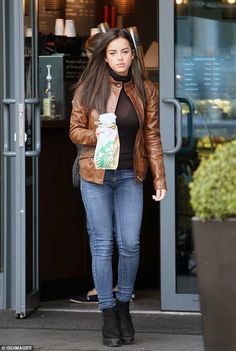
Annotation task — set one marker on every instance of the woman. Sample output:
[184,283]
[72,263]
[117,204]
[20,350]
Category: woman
[91,296]
[112,82]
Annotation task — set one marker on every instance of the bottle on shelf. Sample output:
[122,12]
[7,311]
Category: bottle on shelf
[49,98]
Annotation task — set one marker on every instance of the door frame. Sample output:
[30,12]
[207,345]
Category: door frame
[2,167]
[170,112]
[14,151]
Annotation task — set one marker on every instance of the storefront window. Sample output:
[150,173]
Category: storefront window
[205,64]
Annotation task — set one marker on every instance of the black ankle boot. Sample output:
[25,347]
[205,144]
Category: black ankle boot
[126,325]
[110,329]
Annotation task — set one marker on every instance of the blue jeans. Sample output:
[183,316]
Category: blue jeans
[119,199]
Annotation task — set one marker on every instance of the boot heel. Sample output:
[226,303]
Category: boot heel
[127,331]
[110,329]
[127,341]
[111,342]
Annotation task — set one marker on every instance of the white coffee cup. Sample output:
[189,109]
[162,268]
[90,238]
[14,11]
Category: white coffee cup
[69,30]
[59,26]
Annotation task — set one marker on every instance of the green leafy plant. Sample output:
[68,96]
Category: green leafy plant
[213,187]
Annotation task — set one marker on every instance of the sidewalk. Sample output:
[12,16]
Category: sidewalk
[58,331]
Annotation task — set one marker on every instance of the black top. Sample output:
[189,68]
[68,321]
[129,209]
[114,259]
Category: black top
[128,124]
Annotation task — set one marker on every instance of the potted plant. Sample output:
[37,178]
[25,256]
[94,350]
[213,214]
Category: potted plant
[213,199]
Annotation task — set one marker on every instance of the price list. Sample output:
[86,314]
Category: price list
[83,14]
[74,66]
[81,11]
[80,8]
[203,74]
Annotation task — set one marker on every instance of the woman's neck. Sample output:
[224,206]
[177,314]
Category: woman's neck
[118,77]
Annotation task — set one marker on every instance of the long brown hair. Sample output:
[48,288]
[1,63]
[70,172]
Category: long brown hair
[92,43]
[94,81]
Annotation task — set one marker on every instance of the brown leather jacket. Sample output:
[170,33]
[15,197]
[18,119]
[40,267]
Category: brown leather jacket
[148,147]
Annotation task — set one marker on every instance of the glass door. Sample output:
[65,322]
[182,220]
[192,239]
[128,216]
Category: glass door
[198,111]
[21,119]
[2,291]
[32,150]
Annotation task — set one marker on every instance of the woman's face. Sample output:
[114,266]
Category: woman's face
[119,56]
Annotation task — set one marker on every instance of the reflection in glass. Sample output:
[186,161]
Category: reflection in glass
[205,62]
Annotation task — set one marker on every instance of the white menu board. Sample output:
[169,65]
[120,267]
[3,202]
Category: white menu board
[202,75]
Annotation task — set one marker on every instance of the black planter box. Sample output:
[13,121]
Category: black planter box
[215,246]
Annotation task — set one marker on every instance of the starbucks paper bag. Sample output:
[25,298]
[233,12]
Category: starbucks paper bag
[108,145]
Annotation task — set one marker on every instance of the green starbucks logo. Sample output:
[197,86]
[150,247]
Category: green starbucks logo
[104,155]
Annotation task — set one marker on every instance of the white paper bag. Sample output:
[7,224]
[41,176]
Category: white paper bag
[108,145]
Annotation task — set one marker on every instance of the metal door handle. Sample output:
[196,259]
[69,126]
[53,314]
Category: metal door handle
[37,143]
[190,130]
[178,125]
[6,105]
[36,151]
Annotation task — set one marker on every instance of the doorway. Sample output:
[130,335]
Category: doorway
[197,112]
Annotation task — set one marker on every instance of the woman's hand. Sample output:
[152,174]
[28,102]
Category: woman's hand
[100,129]
[160,194]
